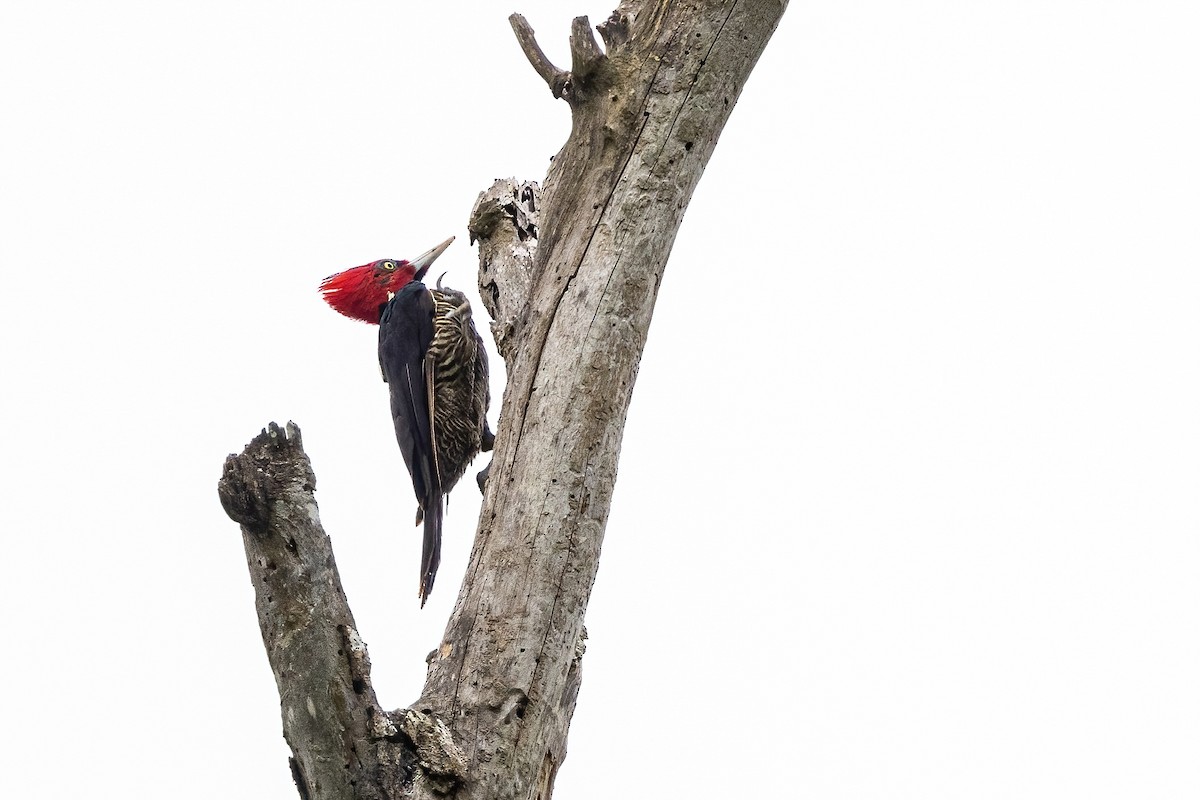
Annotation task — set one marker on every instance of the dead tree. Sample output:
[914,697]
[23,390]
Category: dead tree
[569,273]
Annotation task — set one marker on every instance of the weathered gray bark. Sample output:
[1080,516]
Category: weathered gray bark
[570,275]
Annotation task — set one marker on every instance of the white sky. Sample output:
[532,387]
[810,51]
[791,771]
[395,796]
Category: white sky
[908,498]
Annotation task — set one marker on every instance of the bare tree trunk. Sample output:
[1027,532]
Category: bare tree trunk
[570,276]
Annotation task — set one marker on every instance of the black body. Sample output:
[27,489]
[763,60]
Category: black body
[435,366]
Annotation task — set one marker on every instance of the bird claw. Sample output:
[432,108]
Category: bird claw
[487,440]
[482,477]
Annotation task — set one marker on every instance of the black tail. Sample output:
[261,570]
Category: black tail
[431,547]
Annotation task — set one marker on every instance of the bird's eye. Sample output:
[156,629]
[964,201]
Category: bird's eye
[388,265]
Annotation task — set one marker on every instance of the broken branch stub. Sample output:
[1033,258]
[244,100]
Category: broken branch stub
[504,222]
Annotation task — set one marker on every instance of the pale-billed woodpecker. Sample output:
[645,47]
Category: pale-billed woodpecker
[435,365]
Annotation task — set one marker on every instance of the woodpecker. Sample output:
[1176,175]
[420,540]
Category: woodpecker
[436,369]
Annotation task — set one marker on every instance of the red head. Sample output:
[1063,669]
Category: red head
[361,292]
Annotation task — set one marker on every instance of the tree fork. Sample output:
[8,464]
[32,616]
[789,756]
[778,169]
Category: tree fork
[570,274]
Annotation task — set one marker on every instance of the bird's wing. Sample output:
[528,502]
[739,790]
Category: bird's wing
[405,331]
[429,371]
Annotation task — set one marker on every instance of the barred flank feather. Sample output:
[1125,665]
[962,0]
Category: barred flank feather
[460,386]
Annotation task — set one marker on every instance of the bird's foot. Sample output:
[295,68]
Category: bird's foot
[488,440]
[482,477]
